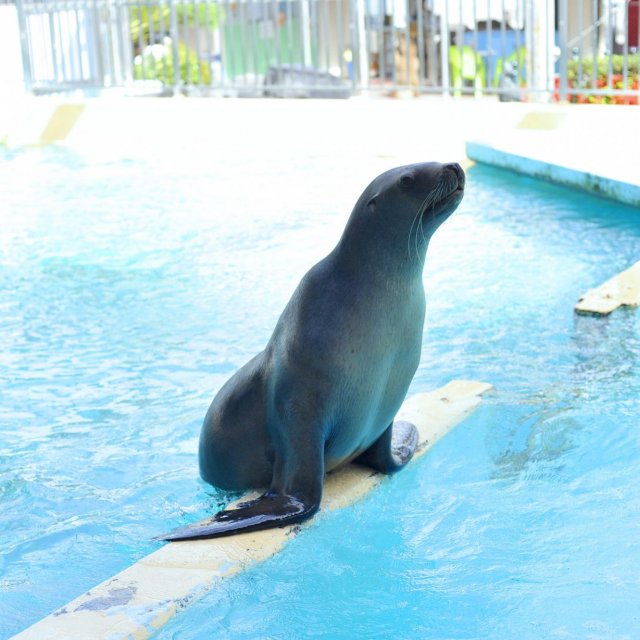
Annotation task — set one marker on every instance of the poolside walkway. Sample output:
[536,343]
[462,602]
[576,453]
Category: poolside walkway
[593,147]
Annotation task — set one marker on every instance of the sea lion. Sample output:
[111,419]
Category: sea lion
[328,384]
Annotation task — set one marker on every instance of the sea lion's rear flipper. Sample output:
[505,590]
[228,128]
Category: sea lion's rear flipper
[269,510]
[393,449]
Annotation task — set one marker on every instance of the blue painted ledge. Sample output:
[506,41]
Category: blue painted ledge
[600,185]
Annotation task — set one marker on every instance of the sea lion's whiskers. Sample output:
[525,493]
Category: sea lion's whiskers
[415,218]
[424,205]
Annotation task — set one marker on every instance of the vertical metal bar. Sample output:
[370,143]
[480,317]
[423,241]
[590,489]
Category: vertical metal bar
[580,39]
[444,51]
[340,29]
[407,39]
[529,44]
[392,43]
[238,18]
[175,43]
[252,45]
[58,12]
[595,17]
[123,24]
[563,28]
[353,42]
[489,68]
[361,35]
[303,22]
[518,18]
[475,30]
[209,38]
[141,41]
[78,36]
[27,74]
[326,33]
[230,41]
[188,80]
[638,47]
[196,29]
[106,32]
[547,51]
[433,53]
[63,25]
[152,37]
[625,51]
[610,46]
[459,45]
[289,18]
[420,37]
[503,39]
[276,32]
[382,49]
[263,43]
[54,48]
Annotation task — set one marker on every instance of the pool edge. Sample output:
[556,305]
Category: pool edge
[597,184]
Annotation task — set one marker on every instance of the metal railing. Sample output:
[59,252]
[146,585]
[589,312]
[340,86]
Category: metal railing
[580,50]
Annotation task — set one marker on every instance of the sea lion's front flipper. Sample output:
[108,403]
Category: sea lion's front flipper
[393,449]
[269,510]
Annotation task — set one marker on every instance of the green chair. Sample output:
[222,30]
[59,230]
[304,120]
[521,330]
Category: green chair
[466,67]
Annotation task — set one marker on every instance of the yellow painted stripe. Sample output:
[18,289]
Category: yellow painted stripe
[542,120]
[136,602]
[62,121]
[621,290]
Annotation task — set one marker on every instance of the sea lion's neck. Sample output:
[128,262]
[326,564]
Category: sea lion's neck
[369,242]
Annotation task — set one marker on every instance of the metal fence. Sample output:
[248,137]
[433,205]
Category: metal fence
[580,50]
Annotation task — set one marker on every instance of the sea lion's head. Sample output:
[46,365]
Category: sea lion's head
[402,208]
[426,193]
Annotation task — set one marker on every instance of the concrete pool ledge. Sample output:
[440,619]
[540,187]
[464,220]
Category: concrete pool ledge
[138,601]
[582,147]
[622,290]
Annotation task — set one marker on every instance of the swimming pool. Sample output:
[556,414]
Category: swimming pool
[130,290]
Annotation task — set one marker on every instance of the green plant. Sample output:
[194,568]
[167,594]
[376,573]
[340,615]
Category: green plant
[156,63]
[154,59]
[144,20]
[602,67]
[609,74]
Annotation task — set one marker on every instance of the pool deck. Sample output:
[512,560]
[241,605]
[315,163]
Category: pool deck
[141,599]
[591,147]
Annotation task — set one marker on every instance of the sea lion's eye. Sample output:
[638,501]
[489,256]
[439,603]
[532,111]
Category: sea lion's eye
[406,180]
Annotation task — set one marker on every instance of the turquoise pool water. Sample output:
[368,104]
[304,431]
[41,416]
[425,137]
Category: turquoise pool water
[129,291]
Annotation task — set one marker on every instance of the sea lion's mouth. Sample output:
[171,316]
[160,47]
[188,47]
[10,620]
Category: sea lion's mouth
[445,196]
[448,204]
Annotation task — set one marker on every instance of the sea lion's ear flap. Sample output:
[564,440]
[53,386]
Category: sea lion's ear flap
[372,205]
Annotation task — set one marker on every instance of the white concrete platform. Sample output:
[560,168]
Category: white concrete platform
[621,290]
[588,147]
[136,602]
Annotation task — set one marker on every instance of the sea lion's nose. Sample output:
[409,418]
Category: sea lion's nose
[457,169]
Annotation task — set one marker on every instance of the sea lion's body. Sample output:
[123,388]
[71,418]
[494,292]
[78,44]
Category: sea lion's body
[337,368]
